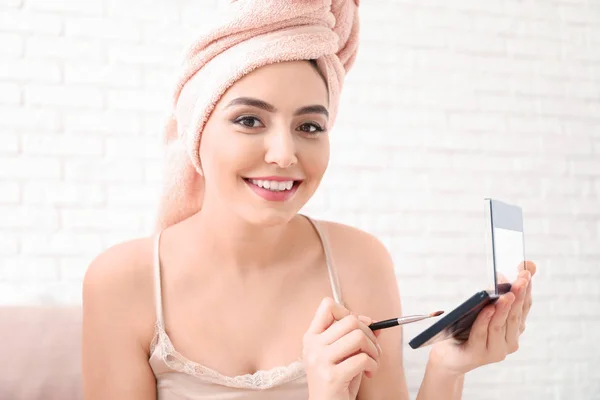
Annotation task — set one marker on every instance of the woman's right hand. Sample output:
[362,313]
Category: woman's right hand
[338,348]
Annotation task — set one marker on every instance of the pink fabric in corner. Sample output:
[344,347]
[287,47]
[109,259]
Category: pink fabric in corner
[248,35]
[41,353]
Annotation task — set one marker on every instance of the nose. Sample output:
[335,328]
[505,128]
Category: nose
[281,149]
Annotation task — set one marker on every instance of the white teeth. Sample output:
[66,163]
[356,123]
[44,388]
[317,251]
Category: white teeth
[273,185]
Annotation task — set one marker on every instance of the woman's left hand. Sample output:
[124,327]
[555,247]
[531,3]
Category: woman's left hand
[494,334]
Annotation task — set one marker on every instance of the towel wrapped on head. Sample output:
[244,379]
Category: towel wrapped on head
[249,34]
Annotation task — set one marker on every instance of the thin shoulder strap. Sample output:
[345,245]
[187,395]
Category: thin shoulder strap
[157,284]
[333,277]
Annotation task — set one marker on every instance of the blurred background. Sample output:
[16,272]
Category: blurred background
[448,102]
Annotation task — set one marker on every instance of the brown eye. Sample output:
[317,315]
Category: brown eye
[310,128]
[249,122]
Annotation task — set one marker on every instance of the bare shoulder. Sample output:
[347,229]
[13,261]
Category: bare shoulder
[119,281]
[359,242]
[119,269]
[370,287]
[118,323]
[366,270]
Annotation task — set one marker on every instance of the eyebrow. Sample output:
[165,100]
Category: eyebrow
[252,102]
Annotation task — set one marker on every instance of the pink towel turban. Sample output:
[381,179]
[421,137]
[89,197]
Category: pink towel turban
[251,34]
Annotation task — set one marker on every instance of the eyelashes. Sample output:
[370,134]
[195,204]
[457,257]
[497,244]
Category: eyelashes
[251,122]
[241,121]
[317,128]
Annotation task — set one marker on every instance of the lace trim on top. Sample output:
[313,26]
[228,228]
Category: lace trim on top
[163,348]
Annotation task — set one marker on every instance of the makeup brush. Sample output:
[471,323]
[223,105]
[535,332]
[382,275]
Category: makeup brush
[388,323]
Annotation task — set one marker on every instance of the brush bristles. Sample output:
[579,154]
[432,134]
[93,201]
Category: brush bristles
[436,314]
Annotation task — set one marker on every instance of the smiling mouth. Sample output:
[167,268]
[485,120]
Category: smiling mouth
[274,186]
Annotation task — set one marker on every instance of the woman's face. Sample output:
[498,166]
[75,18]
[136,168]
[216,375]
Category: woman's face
[265,147]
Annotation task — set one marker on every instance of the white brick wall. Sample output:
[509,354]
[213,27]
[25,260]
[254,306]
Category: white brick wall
[468,99]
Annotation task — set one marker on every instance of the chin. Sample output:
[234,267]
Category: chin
[269,216]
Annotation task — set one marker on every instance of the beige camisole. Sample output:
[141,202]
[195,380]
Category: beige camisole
[180,378]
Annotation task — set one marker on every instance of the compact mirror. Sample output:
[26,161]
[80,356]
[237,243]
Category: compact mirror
[506,251]
[506,255]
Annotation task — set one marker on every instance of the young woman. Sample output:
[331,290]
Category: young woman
[246,298]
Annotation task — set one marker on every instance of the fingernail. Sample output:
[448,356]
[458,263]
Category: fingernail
[379,348]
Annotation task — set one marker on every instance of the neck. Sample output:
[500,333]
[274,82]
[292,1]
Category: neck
[231,242]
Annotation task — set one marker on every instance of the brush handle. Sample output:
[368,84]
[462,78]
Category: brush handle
[388,323]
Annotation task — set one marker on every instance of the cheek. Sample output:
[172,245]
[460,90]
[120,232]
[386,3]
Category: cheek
[316,159]
[227,155]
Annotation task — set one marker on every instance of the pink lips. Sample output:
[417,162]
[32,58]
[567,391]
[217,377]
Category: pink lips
[270,195]
[273,178]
